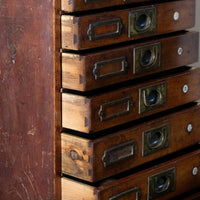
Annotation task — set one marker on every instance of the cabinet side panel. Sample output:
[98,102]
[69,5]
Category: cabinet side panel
[27,100]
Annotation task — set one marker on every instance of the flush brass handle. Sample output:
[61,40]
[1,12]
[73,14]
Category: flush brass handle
[152,97]
[142,21]
[146,57]
[155,139]
[162,183]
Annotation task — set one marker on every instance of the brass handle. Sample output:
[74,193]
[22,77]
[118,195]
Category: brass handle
[118,153]
[99,66]
[155,139]
[115,108]
[147,57]
[142,21]
[91,29]
[161,183]
[152,97]
[135,190]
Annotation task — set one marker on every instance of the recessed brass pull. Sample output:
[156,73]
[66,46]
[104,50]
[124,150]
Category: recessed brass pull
[115,108]
[128,193]
[118,153]
[146,58]
[155,139]
[91,30]
[142,21]
[160,184]
[152,97]
[99,66]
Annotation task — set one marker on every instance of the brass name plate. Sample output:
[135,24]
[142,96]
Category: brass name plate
[120,64]
[142,21]
[110,22]
[115,108]
[118,153]
[155,139]
[160,184]
[152,97]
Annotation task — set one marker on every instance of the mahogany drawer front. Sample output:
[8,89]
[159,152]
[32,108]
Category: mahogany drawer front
[86,72]
[80,5]
[93,160]
[163,181]
[108,109]
[84,32]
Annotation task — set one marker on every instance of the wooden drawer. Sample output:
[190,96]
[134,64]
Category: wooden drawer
[93,160]
[95,30]
[89,71]
[80,5]
[163,182]
[111,108]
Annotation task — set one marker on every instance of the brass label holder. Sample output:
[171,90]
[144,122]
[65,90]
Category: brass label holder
[91,30]
[126,105]
[118,153]
[99,65]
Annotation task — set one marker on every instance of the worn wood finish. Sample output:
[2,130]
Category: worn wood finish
[30,100]
[75,29]
[78,69]
[82,158]
[184,181]
[84,113]
[82,5]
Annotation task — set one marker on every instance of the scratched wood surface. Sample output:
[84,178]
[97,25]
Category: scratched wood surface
[184,182]
[29,104]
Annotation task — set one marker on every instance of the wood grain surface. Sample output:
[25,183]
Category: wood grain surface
[75,29]
[83,113]
[82,5]
[78,70]
[184,181]
[82,158]
[29,100]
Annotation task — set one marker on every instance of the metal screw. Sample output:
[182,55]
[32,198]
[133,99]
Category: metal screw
[189,128]
[180,51]
[176,16]
[185,88]
[195,171]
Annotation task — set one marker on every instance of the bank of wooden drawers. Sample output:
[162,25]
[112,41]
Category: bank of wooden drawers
[180,173]
[93,160]
[93,70]
[128,99]
[89,31]
[108,109]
